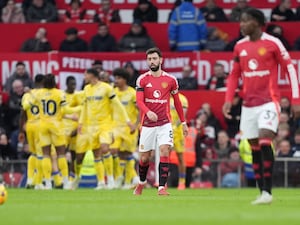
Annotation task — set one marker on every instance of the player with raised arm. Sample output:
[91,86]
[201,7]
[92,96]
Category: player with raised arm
[96,121]
[256,60]
[52,106]
[29,125]
[154,89]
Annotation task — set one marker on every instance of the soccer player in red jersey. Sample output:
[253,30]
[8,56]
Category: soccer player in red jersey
[154,89]
[256,60]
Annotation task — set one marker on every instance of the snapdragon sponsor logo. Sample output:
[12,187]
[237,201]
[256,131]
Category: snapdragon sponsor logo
[159,101]
[259,73]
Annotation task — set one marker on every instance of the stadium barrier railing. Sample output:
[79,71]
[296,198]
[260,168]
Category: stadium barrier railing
[286,173]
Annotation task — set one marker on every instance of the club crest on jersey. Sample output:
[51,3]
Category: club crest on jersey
[252,64]
[164,84]
[262,51]
[156,94]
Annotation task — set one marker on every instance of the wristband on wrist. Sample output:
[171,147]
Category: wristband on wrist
[183,123]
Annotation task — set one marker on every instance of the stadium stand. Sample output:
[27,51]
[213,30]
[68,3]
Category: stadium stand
[164,6]
[17,33]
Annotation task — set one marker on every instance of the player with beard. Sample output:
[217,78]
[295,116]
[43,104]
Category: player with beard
[154,89]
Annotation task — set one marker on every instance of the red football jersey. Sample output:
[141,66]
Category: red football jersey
[157,91]
[257,63]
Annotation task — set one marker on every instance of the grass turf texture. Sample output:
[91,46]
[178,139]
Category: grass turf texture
[194,206]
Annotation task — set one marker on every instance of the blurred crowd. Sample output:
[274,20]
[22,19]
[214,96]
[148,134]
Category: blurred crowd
[137,39]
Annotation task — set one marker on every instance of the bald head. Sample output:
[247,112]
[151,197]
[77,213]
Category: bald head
[18,87]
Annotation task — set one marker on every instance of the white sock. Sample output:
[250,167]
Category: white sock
[161,187]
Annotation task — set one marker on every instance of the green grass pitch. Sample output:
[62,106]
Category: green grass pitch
[192,206]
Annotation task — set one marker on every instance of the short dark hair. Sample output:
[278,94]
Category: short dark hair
[70,78]
[154,50]
[71,30]
[39,78]
[97,62]
[20,63]
[257,15]
[75,1]
[49,81]
[121,72]
[93,71]
[143,2]
[101,24]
